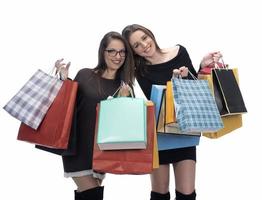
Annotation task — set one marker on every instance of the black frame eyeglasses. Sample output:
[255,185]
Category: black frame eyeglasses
[113,52]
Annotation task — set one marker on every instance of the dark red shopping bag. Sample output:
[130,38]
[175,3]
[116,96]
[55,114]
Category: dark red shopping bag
[130,161]
[54,130]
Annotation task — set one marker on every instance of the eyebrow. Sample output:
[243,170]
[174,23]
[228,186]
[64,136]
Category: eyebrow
[141,38]
[123,49]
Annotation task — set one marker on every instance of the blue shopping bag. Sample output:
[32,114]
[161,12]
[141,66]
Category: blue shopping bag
[122,124]
[197,111]
[169,141]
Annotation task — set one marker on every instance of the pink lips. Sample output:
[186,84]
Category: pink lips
[147,49]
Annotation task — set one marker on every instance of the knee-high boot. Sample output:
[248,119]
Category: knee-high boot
[181,196]
[159,196]
[96,193]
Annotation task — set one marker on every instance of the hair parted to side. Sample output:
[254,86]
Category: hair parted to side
[139,61]
[126,71]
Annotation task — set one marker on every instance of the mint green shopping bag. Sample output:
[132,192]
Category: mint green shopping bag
[122,124]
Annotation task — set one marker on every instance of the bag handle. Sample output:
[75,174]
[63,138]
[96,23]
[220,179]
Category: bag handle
[52,72]
[117,90]
[180,77]
[224,66]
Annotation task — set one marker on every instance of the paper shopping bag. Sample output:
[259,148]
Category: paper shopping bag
[122,124]
[168,137]
[169,100]
[54,131]
[227,93]
[33,100]
[129,161]
[155,147]
[171,127]
[231,122]
[197,111]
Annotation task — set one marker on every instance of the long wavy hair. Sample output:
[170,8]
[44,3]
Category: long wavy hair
[126,71]
[140,61]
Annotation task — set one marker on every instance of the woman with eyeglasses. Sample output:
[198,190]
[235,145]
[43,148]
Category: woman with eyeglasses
[157,66]
[115,69]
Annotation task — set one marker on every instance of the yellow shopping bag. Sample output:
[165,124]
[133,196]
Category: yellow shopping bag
[155,152]
[170,108]
[231,122]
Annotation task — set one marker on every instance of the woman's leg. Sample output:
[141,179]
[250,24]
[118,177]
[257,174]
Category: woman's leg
[86,182]
[185,179]
[88,188]
[160,183]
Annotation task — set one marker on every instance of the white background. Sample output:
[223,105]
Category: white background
[35,33]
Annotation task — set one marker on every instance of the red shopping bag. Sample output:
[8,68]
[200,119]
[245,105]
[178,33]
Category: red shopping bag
[132,161]
[54,131]
[207,69]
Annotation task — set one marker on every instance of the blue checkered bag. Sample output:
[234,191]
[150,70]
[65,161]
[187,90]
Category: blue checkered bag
[197,111]
[33,100]
[170,141]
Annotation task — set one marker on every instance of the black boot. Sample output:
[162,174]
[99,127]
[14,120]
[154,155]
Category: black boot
[77,195]
[96,193]
[159,196]
[180,196]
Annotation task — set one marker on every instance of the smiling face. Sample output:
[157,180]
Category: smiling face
[142,44]
[115,54]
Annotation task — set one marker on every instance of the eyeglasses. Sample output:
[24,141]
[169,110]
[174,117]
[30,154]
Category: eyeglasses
[113,52]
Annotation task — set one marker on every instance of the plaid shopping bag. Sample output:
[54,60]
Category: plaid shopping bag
[169,138]
[33,100]
[197,111]
[55,130]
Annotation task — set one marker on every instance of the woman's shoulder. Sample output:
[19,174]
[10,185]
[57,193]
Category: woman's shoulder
[175,50]
[86,72]
[181,48]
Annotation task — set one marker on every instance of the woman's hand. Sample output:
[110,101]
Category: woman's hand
[62,68]
[124,90]
[182,71]
[210,59]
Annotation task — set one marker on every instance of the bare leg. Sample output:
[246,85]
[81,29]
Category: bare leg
[86,182]
[160,179]
[185,176]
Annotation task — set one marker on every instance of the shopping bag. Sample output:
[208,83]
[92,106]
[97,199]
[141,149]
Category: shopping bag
[33,100]
[122,124]
[72,143]
[129,161]
[155,147]
[208,69]
[197,111]
[169,100]
[173,141]
[231,122]
[171,127]
[54,131]
[165,139]
[227,93]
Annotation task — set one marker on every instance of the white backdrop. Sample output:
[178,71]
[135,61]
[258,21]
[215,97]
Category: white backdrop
[35,33]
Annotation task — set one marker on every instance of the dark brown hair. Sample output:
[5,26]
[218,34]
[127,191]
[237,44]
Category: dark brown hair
[126,71]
